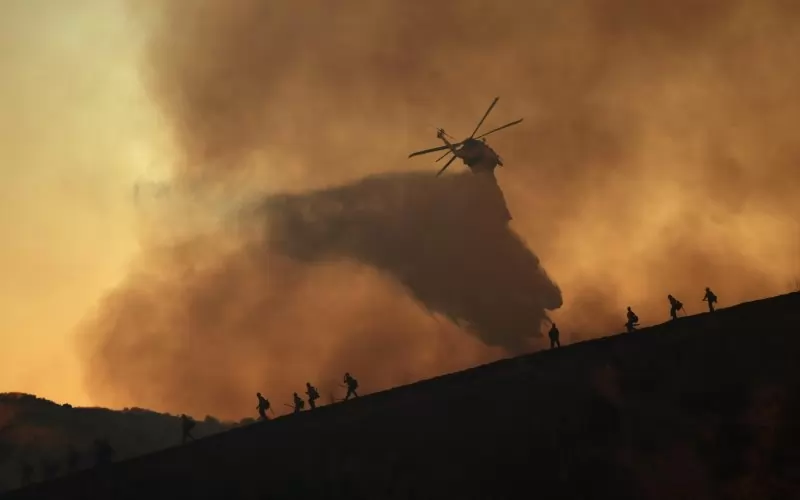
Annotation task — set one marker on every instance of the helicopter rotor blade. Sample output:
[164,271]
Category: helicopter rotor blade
[484,117]
[443,156]
[455,145]
[498,128]
[426,151]
[445,166]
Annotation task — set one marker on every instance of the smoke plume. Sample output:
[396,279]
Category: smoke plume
[658,155]
[446,240]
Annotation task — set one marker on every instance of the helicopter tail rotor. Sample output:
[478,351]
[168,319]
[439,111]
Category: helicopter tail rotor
[441,133]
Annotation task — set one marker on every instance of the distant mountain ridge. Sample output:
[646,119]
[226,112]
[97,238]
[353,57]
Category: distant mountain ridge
[42,433]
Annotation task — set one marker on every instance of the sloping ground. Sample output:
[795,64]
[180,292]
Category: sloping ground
[42,434]
[705,407]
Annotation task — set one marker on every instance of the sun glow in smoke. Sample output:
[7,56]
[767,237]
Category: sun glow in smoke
[77,129]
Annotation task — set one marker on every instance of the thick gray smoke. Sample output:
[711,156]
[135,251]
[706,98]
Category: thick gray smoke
[658,155]
[370,277]
[445,239]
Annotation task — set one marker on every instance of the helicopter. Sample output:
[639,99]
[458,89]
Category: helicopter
[473,151]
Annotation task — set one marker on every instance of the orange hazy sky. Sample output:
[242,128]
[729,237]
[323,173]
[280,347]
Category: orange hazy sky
[76,132]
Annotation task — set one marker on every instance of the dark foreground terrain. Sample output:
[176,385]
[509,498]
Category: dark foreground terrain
[705,407]
[45,435]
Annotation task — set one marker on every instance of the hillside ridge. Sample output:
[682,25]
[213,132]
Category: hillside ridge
[620,380]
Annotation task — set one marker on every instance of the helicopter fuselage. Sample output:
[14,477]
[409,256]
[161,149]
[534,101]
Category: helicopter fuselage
[477,155]
[473,151]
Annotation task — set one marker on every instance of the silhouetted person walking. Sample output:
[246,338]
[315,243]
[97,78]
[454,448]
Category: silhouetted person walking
[187,424]
[263,406]
[554,333]
[298,403]
[352,385]
[633,320]
[313,395]
[675,306]
[710,298]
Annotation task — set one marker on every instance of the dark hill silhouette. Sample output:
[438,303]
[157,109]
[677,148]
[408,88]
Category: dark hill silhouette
[40,432]
[707,406]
